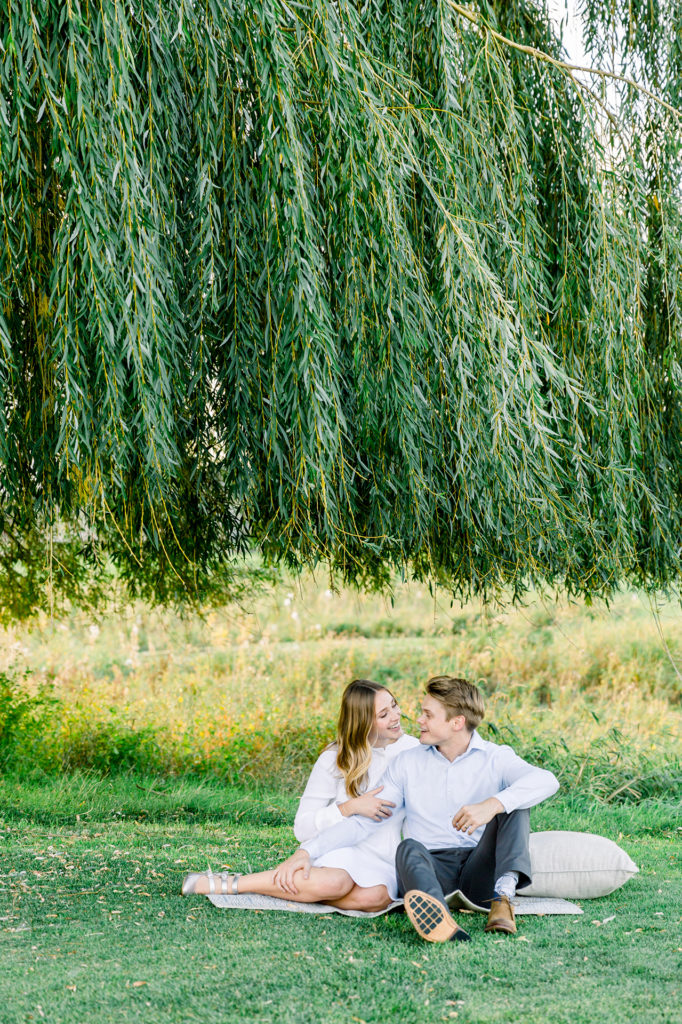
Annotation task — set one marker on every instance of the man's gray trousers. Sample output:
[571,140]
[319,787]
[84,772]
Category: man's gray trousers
[503,847]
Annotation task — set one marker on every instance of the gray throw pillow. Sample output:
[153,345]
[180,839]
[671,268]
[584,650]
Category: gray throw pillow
[576,865]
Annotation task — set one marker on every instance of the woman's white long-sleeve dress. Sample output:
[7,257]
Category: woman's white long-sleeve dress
[372,861]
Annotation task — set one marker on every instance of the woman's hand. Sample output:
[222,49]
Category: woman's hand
[284,872]
[472,816]
[368,806]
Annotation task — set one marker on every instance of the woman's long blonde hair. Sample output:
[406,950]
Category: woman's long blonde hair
[356,718]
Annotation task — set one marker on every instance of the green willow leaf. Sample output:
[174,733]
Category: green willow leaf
[343,280]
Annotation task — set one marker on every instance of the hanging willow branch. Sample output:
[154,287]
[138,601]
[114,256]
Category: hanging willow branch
[361,282]
[565,65]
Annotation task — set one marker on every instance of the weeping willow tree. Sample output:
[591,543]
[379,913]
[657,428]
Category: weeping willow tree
[380,283]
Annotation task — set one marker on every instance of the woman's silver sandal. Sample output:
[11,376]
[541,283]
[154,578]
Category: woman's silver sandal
[228,883]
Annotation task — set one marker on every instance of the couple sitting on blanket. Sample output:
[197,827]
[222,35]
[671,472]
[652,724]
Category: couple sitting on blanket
[460,801]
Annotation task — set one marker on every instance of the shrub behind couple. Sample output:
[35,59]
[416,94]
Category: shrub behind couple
[461,803]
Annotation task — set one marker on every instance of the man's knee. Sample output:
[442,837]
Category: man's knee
[406,848]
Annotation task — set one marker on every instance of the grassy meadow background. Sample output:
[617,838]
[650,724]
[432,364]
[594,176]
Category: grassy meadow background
[250,694]
[143,744]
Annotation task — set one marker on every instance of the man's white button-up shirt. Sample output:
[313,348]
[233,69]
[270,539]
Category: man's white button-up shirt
[431,790]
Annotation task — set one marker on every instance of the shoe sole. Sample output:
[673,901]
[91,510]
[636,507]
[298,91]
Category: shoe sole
[503,926]
[430,919]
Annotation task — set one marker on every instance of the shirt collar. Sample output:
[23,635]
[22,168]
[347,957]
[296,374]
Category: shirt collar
[475,743]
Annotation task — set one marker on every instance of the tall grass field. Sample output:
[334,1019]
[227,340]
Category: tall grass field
[251,693]
[143,744]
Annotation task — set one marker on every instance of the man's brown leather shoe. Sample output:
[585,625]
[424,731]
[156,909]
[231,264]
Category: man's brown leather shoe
[501,916]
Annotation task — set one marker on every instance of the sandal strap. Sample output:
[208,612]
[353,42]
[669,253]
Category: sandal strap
[228,883]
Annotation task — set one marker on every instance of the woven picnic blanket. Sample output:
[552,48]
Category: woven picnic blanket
[456,900]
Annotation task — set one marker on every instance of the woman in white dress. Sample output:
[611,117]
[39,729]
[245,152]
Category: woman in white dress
[344,781]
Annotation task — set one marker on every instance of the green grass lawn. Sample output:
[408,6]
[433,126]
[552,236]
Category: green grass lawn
[92,927]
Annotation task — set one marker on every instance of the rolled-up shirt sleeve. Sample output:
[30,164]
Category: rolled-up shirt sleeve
[317,808]
[352,830]
[524,784]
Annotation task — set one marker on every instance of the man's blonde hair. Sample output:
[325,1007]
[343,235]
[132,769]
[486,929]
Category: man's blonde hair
[459,697]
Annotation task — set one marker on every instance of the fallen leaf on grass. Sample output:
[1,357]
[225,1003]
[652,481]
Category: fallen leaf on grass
[139,984]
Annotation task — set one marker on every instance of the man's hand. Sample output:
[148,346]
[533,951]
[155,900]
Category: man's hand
[472,816]
[369,805]
[284,873]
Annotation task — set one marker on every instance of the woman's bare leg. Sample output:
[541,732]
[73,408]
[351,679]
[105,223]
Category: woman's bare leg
[325,885]
[371,899]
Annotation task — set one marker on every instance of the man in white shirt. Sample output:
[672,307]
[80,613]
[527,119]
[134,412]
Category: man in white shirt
[466,805]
